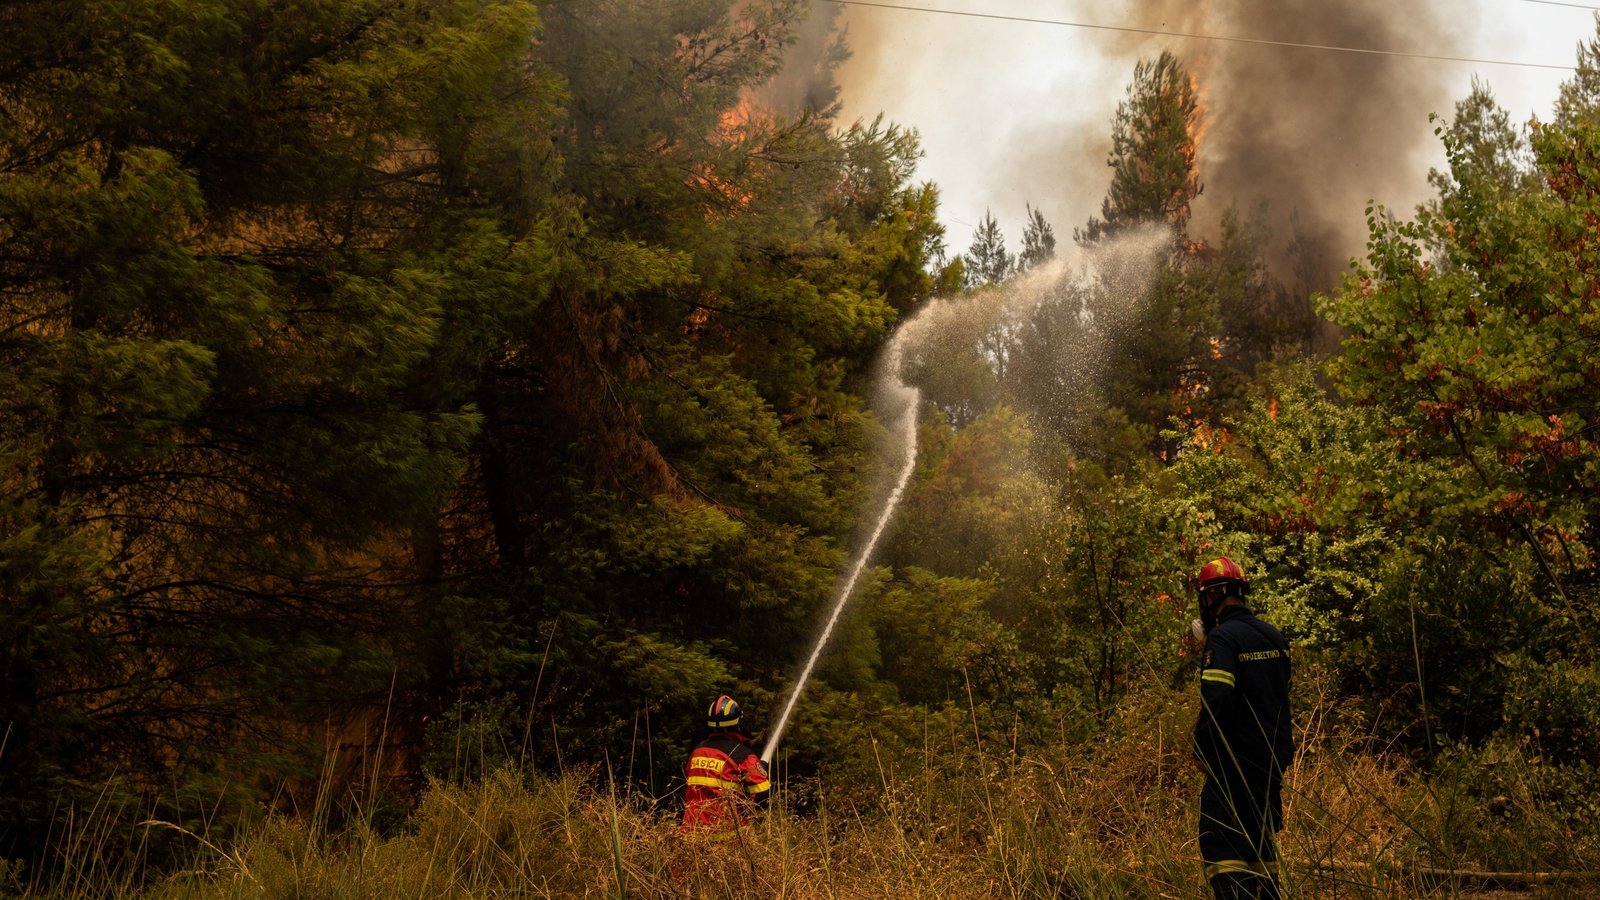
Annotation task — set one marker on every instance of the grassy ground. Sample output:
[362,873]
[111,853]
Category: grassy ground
[1113,819]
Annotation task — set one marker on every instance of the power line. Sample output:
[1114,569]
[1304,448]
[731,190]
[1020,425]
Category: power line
[1559,3]
[1208,37]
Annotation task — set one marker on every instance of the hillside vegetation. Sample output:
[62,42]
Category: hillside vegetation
[412,414]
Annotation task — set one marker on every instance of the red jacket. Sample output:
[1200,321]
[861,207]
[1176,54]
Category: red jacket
[726,784]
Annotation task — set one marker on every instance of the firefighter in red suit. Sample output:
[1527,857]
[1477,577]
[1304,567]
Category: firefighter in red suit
[726,781]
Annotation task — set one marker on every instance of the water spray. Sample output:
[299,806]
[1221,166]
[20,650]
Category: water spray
[1118,269]
[898,392]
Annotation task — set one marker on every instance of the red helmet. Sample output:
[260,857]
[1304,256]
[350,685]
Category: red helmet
[1220,571]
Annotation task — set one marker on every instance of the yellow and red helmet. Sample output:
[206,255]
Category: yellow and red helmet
[1220,572]
[723,714]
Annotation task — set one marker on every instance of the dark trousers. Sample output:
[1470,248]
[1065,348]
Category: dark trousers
[1237,837]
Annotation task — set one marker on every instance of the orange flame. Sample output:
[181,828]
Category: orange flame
[727,196]
[741,119]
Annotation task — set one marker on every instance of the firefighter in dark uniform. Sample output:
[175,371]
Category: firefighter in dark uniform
[726,781]
[1243,738]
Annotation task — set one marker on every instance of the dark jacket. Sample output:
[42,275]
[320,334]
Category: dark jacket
[1243,738]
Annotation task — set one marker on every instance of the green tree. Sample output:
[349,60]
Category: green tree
[973,491]
[1471,335]
[1289,484]
[1491,155]
[1483,360]
[1259,319]
[939,640]
[1150,352]
[1154,178]
[675,446]
[987,261]
[1159,361]
[229,235]
[1109,617]
[898,241]
[1038,242]
[1579,97]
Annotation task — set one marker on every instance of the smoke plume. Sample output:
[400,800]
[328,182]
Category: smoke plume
[807,82]
[1319,133]
[1313,133]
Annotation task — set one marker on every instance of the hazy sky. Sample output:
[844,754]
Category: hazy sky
[1012,113]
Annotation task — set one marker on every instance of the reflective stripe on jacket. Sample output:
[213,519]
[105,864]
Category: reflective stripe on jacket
[726,783]
[1243,737]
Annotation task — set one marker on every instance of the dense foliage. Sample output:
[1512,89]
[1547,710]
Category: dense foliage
[366,356]
[389,389]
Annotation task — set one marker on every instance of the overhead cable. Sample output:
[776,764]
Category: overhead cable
[1202,37]
[1559,3]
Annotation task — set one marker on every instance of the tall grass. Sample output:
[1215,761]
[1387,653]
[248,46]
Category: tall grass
[1114,818]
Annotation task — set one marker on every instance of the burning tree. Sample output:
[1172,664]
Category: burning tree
[1153,143]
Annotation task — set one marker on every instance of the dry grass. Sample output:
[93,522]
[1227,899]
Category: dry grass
[1109,820]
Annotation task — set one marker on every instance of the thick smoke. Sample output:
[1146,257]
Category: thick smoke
[807,82]
[1316,133]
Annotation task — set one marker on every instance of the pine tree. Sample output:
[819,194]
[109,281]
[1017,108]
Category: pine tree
[1038,241]
[351,345]
[1493,154]
[231,234]
[672,450]
[1154,178]
[1579,97]
[987,260]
